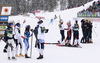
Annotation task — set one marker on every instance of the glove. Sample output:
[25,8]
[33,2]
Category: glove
[31,34]
[32,30]
[24,21]
[46,31]
[23,37]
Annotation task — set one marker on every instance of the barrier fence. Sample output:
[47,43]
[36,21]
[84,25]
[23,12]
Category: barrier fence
[89,14]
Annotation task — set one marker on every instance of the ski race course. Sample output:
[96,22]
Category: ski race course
[89,53]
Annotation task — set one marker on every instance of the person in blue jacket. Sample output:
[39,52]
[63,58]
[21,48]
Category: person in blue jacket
[26,39]
[9,37]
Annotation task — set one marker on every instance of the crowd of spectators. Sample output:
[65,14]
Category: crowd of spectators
[76,4]
[94,8]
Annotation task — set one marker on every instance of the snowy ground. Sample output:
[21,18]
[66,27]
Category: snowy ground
[89,53]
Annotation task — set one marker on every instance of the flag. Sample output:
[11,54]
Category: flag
[6,10]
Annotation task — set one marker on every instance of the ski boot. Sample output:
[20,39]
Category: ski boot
[90,41]
[26,56]
[77,44]
[5,51]
[13,58]
[21,55]
[66,44]
[9,58]
[40,57]
[58,42]
[17,55]
[69,44]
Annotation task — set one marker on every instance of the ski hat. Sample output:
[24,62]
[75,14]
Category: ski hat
[69,21]
[40,21]
[18,24]
[10,24]
[87,21]
[28,26]
[82,20]
[61,21]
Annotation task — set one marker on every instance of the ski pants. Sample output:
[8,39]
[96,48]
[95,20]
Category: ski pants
[41,44]
[17,46]
[82,39]
[62,35]
[26,41]
[69,35]
[10,41]
[90,34]
[87,36]
[76,35]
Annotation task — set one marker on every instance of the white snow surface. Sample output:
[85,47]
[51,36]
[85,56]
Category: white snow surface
[89,53]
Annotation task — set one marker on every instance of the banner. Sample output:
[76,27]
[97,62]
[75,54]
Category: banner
[93,19]
[36,11]
[40,17]
[3,18]
[90,14]
[6,10]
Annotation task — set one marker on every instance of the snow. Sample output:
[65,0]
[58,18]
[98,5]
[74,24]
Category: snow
[89,53]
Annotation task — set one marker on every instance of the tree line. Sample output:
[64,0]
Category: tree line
[24,6]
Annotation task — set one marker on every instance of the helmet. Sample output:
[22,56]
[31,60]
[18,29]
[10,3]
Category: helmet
[18,24]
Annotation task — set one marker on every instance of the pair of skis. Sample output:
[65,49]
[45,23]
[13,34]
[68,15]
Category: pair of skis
[57,44]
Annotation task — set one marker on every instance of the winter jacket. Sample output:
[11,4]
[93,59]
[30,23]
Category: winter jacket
[41,32]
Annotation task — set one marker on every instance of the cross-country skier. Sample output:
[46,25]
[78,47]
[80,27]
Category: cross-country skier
[61,27]
[10,40]
[18,39]
[51,21]
[55,17]
[83,30]
[68,39]
[26,39]
[5,40]
[41,38]
[76,33]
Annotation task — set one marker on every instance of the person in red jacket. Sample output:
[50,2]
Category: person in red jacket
[68,39]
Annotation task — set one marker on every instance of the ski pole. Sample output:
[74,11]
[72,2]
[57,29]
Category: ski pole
[95,32]
[31,44]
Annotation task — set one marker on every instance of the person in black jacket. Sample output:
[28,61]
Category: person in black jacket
[5,39]
[86,35]
[90,32]
[83,30]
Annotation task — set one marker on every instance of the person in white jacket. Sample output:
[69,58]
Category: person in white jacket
[61,27]
[18,39]
[41,38]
